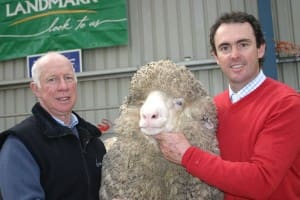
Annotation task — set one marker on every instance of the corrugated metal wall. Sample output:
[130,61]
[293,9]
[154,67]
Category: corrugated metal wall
[286,17]
[158,29]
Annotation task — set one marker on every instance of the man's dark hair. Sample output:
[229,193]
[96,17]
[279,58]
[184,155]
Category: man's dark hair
[238,17]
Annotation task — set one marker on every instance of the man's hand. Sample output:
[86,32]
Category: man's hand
[172,145]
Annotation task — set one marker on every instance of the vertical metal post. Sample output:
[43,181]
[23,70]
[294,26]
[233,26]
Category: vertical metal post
[265,18]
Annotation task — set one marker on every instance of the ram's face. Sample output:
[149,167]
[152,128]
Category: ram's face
[159,113]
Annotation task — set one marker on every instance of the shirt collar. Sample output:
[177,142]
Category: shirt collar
[74,121]
[247,89]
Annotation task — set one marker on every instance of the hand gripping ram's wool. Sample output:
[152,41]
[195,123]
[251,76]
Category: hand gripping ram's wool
[134,168]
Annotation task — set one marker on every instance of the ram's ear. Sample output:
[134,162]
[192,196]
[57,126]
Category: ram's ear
[208,123]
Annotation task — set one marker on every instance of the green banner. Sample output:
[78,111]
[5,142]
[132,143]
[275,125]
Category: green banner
[37,26]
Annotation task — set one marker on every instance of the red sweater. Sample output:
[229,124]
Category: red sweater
[259,139]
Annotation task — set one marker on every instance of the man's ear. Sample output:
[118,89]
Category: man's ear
[261,50]
[215,56]
[34,88]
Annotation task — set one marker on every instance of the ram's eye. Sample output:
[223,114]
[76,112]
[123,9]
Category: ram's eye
[178,102]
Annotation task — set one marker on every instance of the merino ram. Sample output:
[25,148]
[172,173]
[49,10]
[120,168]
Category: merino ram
[162,97]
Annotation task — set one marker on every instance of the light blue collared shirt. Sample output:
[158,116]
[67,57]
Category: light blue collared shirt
[74,122]
[247,89]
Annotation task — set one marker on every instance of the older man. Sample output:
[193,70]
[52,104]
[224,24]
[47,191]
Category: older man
[53,154]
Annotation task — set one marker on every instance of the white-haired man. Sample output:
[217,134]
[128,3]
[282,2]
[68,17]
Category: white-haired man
[53,154]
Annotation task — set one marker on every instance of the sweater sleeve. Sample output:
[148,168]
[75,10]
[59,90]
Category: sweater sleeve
[274,159]
[19,172]
[230,177]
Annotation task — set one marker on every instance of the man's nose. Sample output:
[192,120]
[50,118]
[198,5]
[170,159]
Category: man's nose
[62,84]
[235,52]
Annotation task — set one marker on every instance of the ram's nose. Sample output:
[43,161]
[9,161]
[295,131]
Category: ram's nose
[148,119]
[150,116]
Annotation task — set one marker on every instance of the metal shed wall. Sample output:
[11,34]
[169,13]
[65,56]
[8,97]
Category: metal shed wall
[158,29]
[286,17]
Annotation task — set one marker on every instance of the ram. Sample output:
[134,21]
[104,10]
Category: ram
[162,97]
